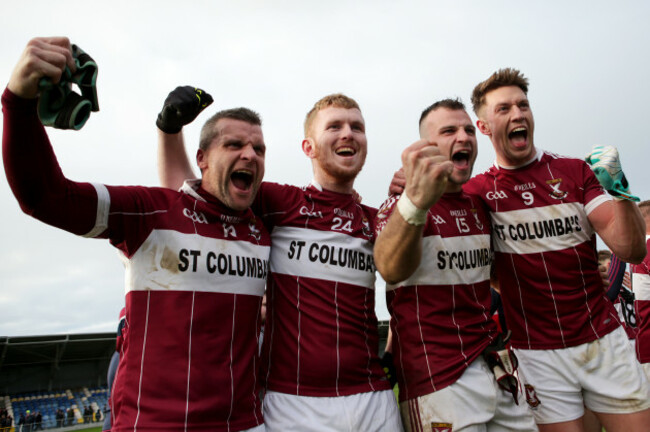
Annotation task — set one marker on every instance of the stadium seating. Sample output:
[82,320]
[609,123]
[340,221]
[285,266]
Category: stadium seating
[48,402]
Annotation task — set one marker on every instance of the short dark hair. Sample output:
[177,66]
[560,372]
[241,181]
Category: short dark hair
[502,78]
[209,132]
[450,104]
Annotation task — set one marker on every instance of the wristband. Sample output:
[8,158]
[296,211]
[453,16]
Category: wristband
[411,214]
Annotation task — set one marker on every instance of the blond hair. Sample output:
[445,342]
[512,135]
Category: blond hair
[337,100]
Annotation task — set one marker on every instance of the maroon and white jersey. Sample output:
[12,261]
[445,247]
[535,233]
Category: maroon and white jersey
[195,276]
[641,289]
[440,315]
[545,251]
[321,334]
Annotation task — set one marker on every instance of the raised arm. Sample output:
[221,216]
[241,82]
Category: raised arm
[181,107]
[619,222]
[398,248]
[30,165]
[621,226]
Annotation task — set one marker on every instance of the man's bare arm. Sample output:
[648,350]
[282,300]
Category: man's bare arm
[182,106]
[398,248]
[173,164]
[620,224]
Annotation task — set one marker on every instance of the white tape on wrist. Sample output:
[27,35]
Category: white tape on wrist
[411,214]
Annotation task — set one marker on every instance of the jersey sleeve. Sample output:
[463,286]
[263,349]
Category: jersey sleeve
[43,192]
[34,175]
[272,201]
[594,194]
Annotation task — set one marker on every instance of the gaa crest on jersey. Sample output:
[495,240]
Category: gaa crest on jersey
[531,396]
[555,186]
[479,225]
[366,227]
[254,232]
[384,210]
[442,427]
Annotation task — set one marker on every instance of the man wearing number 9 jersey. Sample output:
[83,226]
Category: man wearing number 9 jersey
[545,210]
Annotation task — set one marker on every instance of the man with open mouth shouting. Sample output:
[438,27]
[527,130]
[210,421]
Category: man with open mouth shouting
[545,210]
[433,249]
[320,350]
[196,260]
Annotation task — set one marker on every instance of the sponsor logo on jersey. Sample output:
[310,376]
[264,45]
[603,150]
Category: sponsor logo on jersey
[195,216]
[525,186]
[478,222]
[458,213]
[531,396]
[343,213]
[441,427]
[555,186]
[306,212]
[230,219]
[496,195]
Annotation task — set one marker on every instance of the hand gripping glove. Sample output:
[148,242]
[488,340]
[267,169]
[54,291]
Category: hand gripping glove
[181,107]
[503,362]
[62,108]
[606,164]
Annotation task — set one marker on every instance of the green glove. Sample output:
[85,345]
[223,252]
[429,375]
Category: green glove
[181,107]
[59,106]
[606,164]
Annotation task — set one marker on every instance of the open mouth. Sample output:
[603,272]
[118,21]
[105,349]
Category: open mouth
[518,136]
[461,158]
[242,179]
[345,151]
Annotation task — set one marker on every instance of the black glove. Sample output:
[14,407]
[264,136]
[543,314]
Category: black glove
[181,107]
[503,362]
[389,368]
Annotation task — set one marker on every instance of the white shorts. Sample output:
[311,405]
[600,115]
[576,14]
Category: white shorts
[646,369]
[371,411]
[475,403]
[258,428]
[603,375]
